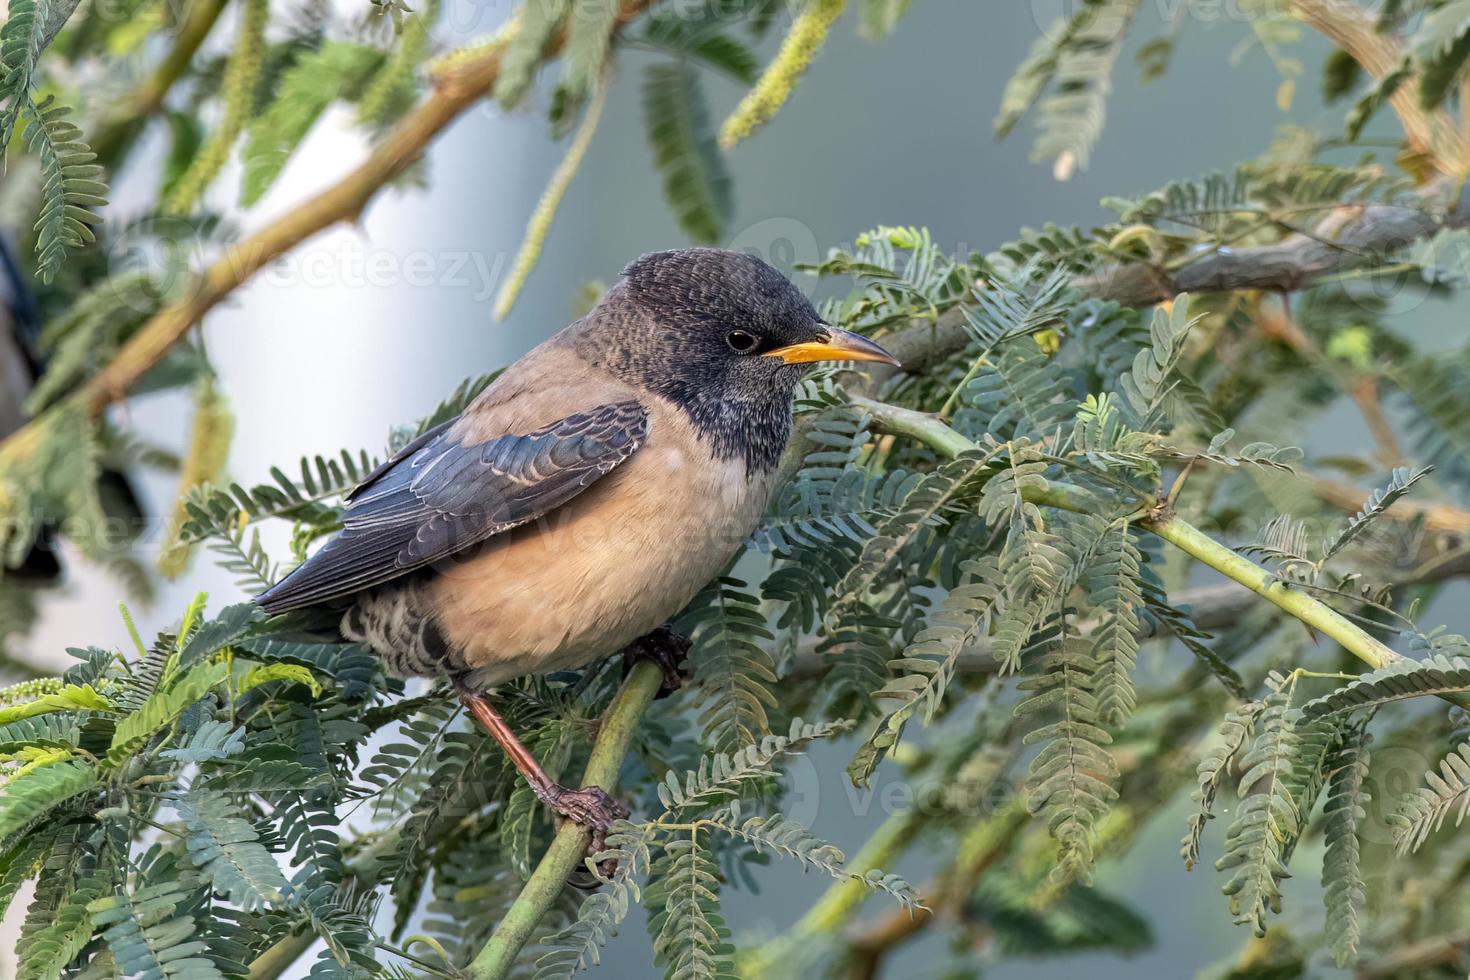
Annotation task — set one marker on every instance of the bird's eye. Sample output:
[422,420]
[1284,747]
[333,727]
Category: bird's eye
[740,342]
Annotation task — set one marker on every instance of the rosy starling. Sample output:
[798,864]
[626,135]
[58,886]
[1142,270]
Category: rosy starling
[585,496]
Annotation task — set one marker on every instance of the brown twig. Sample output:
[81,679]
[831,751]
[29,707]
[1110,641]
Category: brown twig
[1451,950]
[1352,28]
[1440,518]
[1277,321]
[471,79]
[1348,236]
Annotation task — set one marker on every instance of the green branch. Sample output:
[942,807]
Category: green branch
[569,848]
[1180,533]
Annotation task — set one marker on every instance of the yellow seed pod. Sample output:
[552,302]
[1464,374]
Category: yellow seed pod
[396,77]
[242,71]
[547,207]
[204,460]
[807,35]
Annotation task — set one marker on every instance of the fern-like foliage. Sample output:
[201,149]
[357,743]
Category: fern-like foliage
[1072,779]
[31,794]
[681,133]
[1152,380]
[786,838]
[1075,61]
[1440,47]
[1114,588]
[1211,773]
[337,70]
[1282,777]
[923,673]
[222,518]
[1343,890]
[690,938]
[905,531]
[732,667]
[1401,679]
[71,184]
[227,850]
[58,924]
[1424,811]
[1400,482]
[1019,392]
[724,776]
[578,946]
[536,23]
[148,931]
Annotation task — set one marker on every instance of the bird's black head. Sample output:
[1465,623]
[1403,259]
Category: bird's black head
[722,335]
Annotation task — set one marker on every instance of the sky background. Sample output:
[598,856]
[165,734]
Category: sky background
[368,327]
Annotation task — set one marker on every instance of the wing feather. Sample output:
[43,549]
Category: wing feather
[439,496]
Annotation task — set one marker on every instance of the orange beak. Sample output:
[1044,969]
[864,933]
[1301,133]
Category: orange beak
[837,345]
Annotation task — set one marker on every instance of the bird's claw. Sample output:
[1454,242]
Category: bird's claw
[590,807]
[668,650]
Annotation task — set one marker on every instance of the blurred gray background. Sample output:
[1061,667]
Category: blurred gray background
[367,327]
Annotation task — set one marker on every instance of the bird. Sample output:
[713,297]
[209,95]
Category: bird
[584,497]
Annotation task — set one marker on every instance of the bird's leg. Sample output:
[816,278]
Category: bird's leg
[665,648]
[591,806]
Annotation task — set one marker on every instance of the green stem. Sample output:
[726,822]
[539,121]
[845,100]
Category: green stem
[1178,532]
[569,848]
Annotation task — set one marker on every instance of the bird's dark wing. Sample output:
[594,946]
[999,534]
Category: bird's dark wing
[443,497]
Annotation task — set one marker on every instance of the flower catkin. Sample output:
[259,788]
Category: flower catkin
[807,35]
[242,72]
[393,85]
[203,462]
[547,207]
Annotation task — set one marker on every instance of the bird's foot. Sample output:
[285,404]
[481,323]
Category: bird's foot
[668,650]
[591,807]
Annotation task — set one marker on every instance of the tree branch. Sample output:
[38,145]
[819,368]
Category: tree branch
[1349,235]
[1352,28]
[1447,950]
[1178,532]
[471,79]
